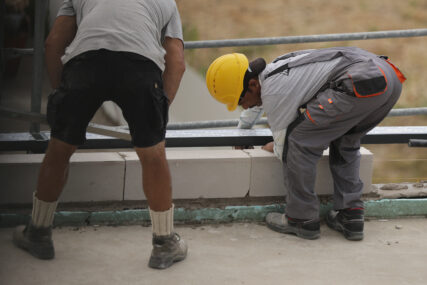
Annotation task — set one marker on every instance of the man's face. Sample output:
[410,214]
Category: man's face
[252,97]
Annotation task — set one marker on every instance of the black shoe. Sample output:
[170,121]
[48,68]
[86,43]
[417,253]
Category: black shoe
[308,229]
[348,221]
[167,250]
[37,241]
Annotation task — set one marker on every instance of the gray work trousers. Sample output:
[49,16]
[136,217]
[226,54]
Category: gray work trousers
[338,125]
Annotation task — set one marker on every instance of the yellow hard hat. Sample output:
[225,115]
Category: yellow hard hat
[224,78]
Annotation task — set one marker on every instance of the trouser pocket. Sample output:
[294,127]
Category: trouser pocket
[328,106]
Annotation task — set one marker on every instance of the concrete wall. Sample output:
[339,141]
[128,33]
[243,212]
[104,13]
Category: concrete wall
[116,176]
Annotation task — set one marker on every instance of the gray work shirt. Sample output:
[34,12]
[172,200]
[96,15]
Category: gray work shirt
[282,94]
[137,26]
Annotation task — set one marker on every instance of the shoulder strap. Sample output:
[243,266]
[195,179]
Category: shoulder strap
[277,70]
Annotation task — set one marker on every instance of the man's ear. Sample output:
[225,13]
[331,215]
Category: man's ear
[253,83]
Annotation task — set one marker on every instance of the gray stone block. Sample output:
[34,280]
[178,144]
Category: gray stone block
[267,177]
[196,174]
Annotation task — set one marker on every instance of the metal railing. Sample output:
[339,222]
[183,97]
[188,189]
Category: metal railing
[307,39]
[263,121]
[38,60]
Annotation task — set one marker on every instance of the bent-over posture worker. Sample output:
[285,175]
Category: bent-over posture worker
[313,99]
[129,52]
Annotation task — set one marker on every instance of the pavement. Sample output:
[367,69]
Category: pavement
[394,251]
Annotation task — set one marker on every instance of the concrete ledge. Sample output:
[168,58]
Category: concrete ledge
[93,177]
[374,209]
[196,174]
[267,176]
[116,176]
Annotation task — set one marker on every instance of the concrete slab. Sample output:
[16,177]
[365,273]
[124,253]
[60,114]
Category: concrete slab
[266,174]
[267,177]
[196,174]
[18,176]
[392,253]
[93,177]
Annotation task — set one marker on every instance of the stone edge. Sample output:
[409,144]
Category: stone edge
[386,208]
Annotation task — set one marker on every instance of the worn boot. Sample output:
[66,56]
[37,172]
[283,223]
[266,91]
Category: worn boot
[37,241]
[348,221]
[308,229]
[167,250]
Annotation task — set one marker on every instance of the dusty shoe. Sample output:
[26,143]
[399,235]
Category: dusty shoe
[308,229]
[348,221]
[37,241]
[167,250]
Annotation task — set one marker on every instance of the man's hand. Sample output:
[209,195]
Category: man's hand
[269,147]
[243,147]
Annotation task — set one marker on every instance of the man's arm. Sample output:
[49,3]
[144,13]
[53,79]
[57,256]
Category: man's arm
[62,34]
[175,66]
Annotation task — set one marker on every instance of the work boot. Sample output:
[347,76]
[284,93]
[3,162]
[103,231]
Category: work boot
[37,241]
[308,229]
[167,250]
[348,221]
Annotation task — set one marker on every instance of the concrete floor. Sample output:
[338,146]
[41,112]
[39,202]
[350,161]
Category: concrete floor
[393,252]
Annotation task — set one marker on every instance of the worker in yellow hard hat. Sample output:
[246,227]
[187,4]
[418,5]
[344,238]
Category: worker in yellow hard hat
[313,99]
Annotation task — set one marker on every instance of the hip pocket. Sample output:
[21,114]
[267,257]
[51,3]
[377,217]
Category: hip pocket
[328,106]
[161,104]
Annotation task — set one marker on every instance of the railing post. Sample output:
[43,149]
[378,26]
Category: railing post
[41,7]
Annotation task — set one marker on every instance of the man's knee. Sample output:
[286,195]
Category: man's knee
[58,149]
[152,154]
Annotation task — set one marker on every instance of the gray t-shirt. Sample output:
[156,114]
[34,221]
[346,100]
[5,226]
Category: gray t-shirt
[137,26]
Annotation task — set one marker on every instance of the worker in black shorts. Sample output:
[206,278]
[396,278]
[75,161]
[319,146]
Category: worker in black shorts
[129,52]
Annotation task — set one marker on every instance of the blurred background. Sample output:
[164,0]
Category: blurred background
[222,19]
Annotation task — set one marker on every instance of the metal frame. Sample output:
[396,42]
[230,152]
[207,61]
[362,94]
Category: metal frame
[41,7]
[415,135]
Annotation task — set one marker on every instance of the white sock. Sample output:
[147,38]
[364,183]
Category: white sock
[43,212]
[162,222]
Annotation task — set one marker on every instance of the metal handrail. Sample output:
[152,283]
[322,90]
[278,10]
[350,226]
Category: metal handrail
[41,119]
[14,52]
[263,121]
[307,39]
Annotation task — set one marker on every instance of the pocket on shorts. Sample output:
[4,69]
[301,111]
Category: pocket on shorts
[161,104]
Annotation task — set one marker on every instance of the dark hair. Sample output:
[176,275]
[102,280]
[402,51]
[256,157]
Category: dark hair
[255,68]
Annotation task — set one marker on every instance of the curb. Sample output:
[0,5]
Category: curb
[387,208]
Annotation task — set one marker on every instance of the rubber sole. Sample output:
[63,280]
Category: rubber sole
[157,263]
[299,232]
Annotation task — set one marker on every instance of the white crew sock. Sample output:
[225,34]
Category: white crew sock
[43,212]
[162,222]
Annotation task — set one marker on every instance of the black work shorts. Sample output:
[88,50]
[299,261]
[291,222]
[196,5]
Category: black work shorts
[130,80]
